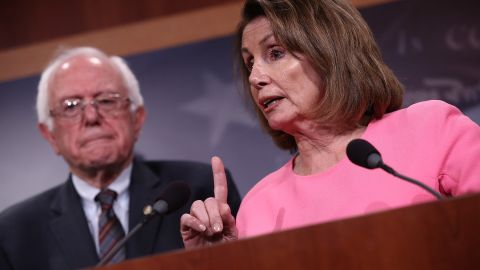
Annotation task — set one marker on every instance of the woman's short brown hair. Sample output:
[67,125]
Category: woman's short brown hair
[332,35]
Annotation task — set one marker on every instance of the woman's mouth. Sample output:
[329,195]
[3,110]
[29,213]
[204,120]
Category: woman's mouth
[270,102]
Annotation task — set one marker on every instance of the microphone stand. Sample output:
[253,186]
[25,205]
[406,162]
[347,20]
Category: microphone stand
[174,196]
[364,154]
[389,169]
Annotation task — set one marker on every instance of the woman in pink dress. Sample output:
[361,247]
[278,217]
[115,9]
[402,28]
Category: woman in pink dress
[317,80]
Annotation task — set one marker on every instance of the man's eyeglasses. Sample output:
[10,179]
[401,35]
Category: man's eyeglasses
[109,104]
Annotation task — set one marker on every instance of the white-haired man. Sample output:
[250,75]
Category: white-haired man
[91,111]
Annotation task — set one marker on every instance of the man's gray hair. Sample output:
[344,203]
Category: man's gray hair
[129,80]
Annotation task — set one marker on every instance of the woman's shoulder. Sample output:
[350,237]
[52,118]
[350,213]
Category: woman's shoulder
[269,183]
[428,123]
[425,114]
[437,108]
[432,107]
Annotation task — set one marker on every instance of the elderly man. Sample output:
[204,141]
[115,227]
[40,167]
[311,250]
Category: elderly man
[90,110]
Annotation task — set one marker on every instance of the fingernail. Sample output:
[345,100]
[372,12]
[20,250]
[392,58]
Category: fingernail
[216,227]
[202,227]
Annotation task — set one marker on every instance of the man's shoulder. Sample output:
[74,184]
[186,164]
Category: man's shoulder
[176,168]
[175,164]
[198,175]
[30,208]
[192,172]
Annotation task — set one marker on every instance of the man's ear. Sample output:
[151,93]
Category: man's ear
[139,118]
[49,136]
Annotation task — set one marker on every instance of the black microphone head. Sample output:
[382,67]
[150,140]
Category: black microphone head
[362,153]
[172,197]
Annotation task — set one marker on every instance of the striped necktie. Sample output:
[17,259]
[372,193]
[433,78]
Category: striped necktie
[110,230]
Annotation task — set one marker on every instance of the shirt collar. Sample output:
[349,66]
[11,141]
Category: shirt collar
[88,192]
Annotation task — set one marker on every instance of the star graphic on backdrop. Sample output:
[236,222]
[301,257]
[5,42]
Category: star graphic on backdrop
[222,105]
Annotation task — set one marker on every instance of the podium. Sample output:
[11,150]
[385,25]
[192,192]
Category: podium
[434,235]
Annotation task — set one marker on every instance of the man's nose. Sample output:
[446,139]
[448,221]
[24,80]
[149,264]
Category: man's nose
[90,112]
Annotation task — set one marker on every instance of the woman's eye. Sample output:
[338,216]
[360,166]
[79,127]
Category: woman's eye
[249,65]
[276,53]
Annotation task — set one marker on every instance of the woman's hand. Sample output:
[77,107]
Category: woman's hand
[210,221]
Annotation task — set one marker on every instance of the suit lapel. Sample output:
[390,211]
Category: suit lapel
[144,188]
[70,228]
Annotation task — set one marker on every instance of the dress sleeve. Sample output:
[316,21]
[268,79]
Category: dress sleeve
[460,144]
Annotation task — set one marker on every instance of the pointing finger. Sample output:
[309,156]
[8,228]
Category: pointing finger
[220,188]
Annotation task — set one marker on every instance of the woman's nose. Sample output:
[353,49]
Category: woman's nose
[258,76]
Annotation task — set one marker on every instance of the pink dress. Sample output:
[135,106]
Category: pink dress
[430,141]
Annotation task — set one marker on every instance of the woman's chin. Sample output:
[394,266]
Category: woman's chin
[279,124]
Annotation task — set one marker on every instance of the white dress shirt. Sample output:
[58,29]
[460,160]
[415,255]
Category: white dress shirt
[93,210]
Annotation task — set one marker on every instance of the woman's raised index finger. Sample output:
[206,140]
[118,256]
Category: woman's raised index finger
[220,188]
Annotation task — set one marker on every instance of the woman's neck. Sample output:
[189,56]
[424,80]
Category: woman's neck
[320,150]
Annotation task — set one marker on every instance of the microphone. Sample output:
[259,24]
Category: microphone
[171,198]
[363,154]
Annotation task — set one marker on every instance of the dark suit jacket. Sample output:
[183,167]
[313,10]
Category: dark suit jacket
[50,231]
